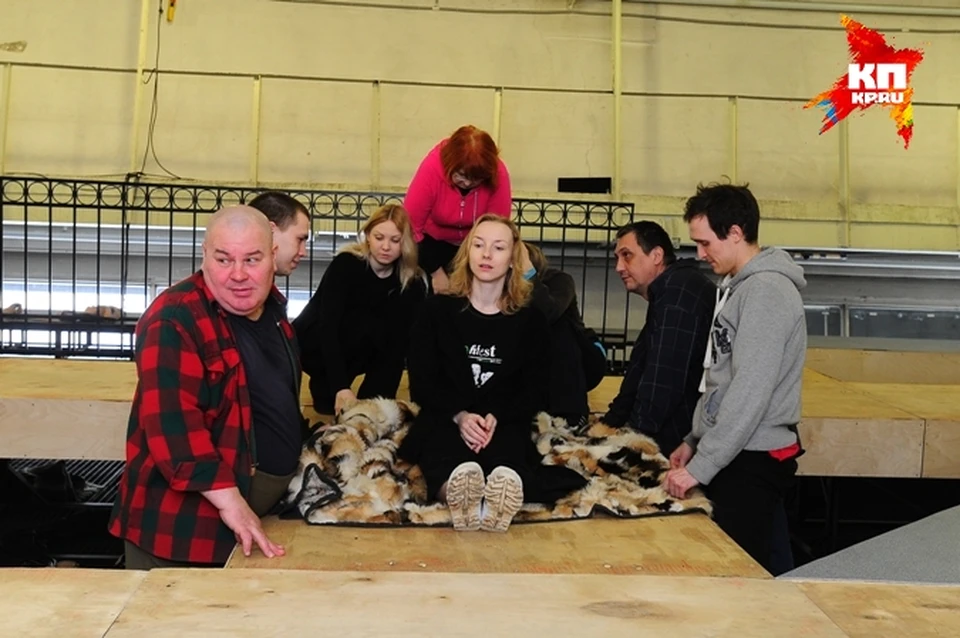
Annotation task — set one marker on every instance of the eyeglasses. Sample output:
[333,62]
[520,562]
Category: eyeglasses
[459,178]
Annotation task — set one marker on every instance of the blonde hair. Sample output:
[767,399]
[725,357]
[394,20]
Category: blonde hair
[407,262]
[516,289]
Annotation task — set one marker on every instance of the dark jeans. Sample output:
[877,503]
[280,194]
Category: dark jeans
[747,498]
[266,490]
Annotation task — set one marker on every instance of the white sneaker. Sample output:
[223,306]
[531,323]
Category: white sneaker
[465,496]
[503,498]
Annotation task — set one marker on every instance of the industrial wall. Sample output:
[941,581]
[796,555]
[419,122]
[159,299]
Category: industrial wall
[355,93]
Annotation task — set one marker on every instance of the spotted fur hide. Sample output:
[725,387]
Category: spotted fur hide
[349,473]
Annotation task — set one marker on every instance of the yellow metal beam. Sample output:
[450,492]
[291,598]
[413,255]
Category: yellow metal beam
[5,84]
[497,113]
[734,139]
[138,88]
[255,132]
[844,184]
[375,134]
[617,55]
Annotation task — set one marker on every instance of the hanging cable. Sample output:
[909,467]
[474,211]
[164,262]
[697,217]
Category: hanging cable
[154,75]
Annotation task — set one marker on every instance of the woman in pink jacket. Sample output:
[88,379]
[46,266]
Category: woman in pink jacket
[459,180]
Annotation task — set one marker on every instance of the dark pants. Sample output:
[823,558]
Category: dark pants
[434,253]
[266,490]
[511,446]
[136,558]
[747,498]
[781,559]
[381,377]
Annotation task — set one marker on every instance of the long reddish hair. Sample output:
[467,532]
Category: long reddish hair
[472,152]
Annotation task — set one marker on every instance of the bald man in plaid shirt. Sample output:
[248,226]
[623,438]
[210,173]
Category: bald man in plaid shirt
[215,427]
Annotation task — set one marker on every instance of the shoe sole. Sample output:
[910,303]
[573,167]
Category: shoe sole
[464,495]
[504,498]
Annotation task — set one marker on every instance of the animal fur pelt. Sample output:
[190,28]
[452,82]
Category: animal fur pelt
[349,473]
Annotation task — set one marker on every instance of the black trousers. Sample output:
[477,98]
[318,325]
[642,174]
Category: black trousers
[511,446]
[434,253]
[747,498]
[381,377]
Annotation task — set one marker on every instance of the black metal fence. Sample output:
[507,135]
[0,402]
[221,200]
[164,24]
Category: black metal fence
[82,259]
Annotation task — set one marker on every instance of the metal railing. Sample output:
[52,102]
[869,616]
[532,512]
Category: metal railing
[75,250]
[73,245]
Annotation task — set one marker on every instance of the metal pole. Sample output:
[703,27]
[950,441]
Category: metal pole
[138,89]
[375,138]
[255,132]
[844,183]
[958,165]
[497,113]
[617,54]
[957,211]
[734,139]
[5,119]
[820,7]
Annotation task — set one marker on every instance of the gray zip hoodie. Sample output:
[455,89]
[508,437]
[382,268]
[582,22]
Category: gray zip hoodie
[755,366]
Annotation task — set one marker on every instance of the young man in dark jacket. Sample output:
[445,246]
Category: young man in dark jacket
[659,393]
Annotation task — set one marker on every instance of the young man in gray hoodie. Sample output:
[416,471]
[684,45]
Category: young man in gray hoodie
[744,443]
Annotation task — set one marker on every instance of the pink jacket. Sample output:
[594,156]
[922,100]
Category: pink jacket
[438,209]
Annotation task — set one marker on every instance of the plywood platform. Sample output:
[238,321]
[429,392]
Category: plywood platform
[63,602]
[847,432]
[686,545]
[869,610]
[262,602]
[885,366]
[860,416]
[259,603]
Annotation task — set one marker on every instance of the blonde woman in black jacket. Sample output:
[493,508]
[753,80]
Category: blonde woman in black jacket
[359,319]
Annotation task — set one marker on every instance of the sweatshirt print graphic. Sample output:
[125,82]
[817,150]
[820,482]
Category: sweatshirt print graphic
[752,385]
[483,362]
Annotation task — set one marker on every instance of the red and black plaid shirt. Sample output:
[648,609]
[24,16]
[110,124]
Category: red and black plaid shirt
[189,429]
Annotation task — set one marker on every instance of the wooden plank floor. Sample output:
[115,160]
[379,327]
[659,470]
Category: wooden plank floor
[259,603]
[63,602]
[680,545]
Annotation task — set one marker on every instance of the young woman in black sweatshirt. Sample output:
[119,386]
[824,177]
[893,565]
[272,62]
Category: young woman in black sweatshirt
[479,368]
[359,319]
